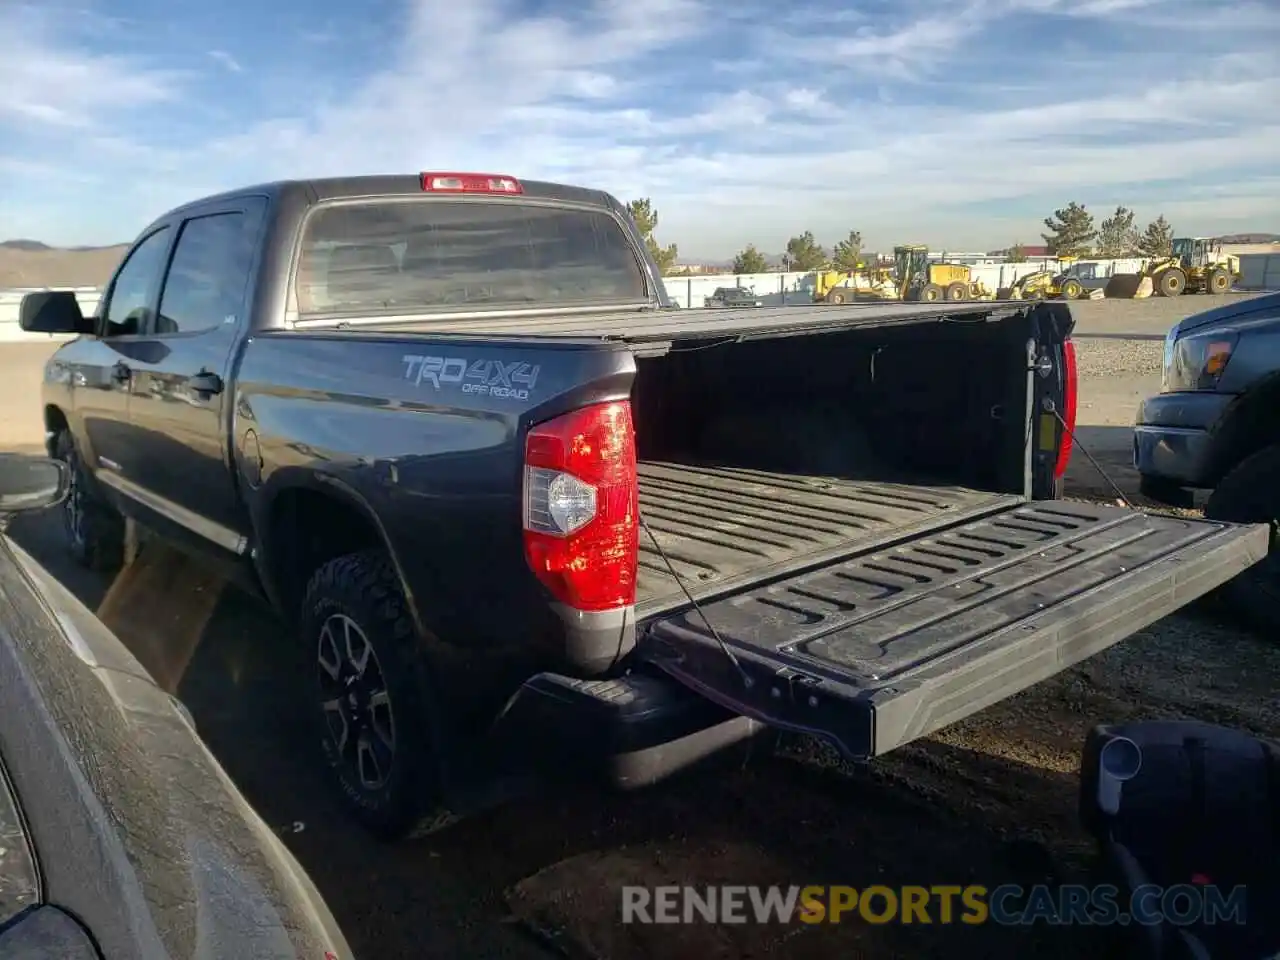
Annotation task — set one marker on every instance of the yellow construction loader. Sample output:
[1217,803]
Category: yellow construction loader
[1046,284]
[1197,266]
[918,279]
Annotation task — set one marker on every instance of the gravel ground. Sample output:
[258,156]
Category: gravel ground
[986,800]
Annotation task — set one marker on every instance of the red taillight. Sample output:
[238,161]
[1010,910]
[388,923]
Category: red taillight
[582,506]
[470,183]
[1068,406]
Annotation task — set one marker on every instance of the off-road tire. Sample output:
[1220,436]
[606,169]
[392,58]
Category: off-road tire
[957,292]
[930,293]
[94,529]
[1171,282]
[1250,493]
[1218,282]
[1072,290]
[835,296]
[364,587]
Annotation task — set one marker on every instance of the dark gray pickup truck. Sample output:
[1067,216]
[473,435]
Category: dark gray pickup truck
[1215,425]
[528,519]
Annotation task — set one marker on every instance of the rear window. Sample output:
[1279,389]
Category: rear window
[428,254]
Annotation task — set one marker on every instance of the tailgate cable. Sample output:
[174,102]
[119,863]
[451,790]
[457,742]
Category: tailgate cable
[1051,407]
[724,647]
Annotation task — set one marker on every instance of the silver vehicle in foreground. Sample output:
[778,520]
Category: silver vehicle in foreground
[121,837]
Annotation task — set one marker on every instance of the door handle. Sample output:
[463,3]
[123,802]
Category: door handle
[206,383]
[121,373]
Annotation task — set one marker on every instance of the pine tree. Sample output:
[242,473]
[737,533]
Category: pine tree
[1117,236]
[1071,231]
[1157,239]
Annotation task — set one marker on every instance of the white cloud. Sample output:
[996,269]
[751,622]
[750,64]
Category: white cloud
[831,122]
[227,60]
[42,81]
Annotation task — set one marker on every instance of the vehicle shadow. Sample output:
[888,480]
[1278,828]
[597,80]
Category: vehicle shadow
[932,814]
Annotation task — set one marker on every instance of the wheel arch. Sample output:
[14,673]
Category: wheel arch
[1248,424]
[308,518]
[55,421]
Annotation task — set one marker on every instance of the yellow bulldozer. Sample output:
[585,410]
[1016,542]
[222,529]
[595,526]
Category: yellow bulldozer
[1196,266]
[919,279]
[1060,284]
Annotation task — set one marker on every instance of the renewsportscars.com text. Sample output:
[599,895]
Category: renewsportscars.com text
[1007,905]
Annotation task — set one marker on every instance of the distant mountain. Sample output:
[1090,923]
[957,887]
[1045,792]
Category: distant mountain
[774,260]
[30,263]
[23,245]
[1251,238]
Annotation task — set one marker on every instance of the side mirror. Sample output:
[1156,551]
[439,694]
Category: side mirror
[31,483]
[53,311]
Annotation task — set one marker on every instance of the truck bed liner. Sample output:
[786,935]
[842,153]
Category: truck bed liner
[722,527]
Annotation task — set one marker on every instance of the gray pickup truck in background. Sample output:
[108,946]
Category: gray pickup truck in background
[1215,426]
[527,519]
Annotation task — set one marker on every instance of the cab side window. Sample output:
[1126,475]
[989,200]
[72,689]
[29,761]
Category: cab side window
[19,887]
[133,291]
[208,275]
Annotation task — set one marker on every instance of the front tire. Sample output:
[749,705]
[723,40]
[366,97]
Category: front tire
[1251,494]
[1171,282]
[370,695]
[94,529]
[1072,290]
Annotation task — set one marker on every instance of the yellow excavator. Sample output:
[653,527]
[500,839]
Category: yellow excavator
[1046,284]
[919,279]
[1197,266]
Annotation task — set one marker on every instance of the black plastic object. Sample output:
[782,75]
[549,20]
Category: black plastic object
[1203,807]
[626,732]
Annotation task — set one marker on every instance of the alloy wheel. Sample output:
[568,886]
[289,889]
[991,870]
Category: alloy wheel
[355,701]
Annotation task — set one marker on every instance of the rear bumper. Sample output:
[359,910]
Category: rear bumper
[1172,440]
[625,733]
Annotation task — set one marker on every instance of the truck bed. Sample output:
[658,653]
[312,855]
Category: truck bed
[722,527]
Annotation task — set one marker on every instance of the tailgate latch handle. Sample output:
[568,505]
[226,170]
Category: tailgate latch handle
[801,686]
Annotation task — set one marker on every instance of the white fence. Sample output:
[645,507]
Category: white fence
[1261,272]
[782,288]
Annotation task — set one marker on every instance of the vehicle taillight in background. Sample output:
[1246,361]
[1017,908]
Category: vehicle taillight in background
[582,506]
[470,183]
[1069,384]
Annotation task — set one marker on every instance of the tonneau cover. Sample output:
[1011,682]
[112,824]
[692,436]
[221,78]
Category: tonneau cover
[644,324]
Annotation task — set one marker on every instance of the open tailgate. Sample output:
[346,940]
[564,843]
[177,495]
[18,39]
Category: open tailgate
[890,644]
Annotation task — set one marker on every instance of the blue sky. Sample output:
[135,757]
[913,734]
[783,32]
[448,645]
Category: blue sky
[958,123]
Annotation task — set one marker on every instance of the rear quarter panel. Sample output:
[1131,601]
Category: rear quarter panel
[425,437]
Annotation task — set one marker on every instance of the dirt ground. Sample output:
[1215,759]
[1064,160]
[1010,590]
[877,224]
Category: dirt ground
[988,800]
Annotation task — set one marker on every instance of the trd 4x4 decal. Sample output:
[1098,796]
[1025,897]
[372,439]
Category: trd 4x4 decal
[492,378]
